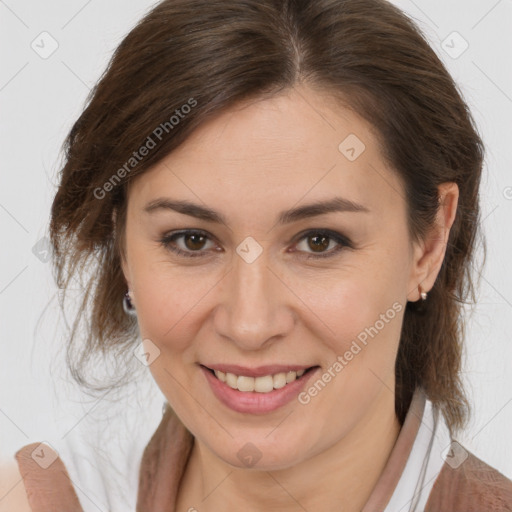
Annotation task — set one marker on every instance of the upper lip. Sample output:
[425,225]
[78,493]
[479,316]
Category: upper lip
[258,371]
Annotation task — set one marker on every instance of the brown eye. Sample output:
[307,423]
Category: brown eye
[194,241]
[318,242]
[192,244]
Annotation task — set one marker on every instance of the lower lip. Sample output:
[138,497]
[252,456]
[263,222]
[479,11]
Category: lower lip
[254,402]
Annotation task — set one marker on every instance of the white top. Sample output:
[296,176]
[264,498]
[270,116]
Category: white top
[103,458]
[423,465]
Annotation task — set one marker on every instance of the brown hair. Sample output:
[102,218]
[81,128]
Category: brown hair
[215,54]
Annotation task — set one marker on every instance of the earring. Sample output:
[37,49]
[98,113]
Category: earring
[128,306]
[423,295]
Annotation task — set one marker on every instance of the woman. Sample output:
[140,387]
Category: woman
[281,200]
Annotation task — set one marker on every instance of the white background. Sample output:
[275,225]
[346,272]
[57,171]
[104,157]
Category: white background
[40,99]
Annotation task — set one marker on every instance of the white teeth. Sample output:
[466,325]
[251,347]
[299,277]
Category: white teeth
[291,376]
[245,383]
[263,384]
[231,380]
[279,380]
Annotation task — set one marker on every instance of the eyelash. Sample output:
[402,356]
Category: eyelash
[343,242]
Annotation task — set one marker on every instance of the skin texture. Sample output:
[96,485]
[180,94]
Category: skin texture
[249,164]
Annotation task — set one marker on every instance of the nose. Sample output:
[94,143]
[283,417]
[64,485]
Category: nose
[254,308]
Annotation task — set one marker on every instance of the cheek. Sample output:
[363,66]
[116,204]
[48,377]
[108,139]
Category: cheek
[167,301]
[346,304]
[372,320]
[344,307]
[163,295]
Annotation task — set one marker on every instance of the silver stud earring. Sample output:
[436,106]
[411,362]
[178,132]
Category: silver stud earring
[423,295]
[128,306]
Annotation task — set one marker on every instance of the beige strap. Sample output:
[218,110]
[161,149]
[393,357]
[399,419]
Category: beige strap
[46,480]
[163,464]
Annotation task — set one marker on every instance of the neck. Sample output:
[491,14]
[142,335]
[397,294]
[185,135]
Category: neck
[340,478]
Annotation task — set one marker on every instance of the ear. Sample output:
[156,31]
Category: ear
[428,254]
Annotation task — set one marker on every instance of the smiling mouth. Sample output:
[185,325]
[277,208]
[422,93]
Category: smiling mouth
[263,384]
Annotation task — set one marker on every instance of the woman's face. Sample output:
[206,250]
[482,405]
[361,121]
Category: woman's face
[263,292]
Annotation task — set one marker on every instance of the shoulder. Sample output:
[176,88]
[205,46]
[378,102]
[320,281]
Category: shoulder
[46,479]
[13,496]
[469,484]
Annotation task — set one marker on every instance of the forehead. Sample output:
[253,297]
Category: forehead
[297,146]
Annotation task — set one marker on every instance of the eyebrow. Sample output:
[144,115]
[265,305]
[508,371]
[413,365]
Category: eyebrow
[336,204]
